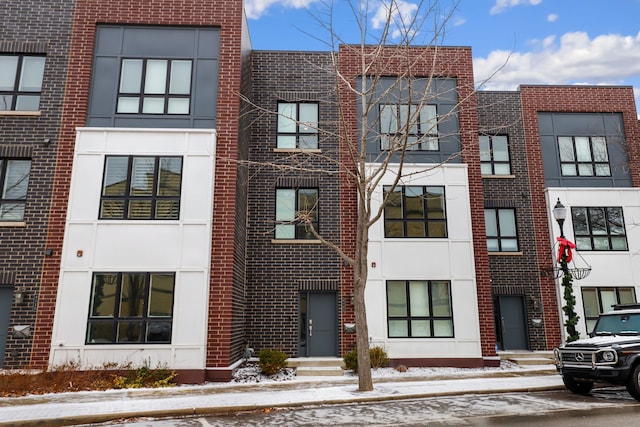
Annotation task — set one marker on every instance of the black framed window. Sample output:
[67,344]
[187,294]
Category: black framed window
[14,183]
[131,308]
[21,82]
[599,300]
[494,155]
[415,211]
[418,124]
[419,309]
[296,212]
[584,156]
[297,125]
[500,225]
[154,86]
[141,187]
[599,229]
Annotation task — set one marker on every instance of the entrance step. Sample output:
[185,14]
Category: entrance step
[529,358]
[317,366]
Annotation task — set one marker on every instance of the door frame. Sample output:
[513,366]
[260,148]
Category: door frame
[304,303]
[500,341]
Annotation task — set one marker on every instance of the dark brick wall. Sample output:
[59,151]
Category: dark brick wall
[499,113]
[276,272]
[32,26]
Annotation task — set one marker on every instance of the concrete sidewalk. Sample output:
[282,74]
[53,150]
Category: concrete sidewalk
[66,409]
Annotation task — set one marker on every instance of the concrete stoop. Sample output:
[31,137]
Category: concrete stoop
[317,366]
[528,358]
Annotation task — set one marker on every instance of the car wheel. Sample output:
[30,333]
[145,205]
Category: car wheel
[633,384]
[577,387]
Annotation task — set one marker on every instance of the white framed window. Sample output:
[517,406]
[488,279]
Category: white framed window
[599,229]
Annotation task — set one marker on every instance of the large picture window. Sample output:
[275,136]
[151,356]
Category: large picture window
[21,82]
[500,225]
[417,124]
[296,212]
[415,211]
[154,86]
[600,300]
[584,156]
[419,309]
[599,229]
[131,308]
[494,155]
[14,182]
[297,125]
[141,188]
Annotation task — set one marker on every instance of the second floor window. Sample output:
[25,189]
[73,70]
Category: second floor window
[14,182]
[502,235]
[600,300]
[154,86]
[415,124]
[584,156]
[141,188]
[494,155]
[297,125]
[415,211]
[599,229]
[20,82]
[296,213]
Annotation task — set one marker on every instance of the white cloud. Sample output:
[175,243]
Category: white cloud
[256,8]
[399,13]
[552,17]
[505,4]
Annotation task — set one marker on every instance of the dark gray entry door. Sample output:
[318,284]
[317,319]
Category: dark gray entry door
[318,328]
[6,298]
[513,323]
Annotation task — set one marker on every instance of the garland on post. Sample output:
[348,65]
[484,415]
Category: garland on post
[564,257]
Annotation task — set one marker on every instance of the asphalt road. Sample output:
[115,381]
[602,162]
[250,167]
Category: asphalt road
[607,406]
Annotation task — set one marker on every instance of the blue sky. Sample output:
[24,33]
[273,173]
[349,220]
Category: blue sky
[521,41]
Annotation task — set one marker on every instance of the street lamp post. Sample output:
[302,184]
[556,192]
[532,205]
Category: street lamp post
[564,256]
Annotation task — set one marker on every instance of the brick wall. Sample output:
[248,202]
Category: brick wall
[224,284]
[32,26]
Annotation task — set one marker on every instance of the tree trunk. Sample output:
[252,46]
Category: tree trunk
[360,272]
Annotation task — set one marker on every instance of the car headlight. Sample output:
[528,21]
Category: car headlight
[608,356]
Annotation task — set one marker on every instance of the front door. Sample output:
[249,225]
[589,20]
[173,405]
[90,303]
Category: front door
[511,322]
[318,325]
[6,298]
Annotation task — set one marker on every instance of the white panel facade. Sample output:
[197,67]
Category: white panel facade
[181,246]
[450,258]
[608,268]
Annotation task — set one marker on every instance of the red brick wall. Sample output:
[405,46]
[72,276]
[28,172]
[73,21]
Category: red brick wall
[444,62]
[225,14]
[570,99]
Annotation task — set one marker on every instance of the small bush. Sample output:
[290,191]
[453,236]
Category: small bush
[351,360]
[145,377]
[401,368]
[271,361]
[378,356]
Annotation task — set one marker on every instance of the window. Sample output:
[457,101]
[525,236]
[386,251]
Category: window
[600,300]
[298,125]
[415,211]
[141,188]
[419,309]
[501,230]
[599,229]
[296,212]
[584,156]
[154,86]
[417,123]
[14,181]
[131,308]
[494,155]
[21,82]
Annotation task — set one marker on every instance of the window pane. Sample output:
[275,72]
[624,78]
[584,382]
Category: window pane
[437,229]
[112,209]
[569,170]
[153,105]
[139,209]
[500,148]
[566,149]
[485,169]
[393,209]
[31,75]
[388,119]
[435,203]
[12,211]
[441,299]
[131,76]
[167,209]
[398,328]
[583,151]
[420,328]
[309,118]
[598,222]
[128,104]
[583,244]
[580,224]
[443,328]
[493,245]
[285,205]
[627,296]
[585,169]
[286,141]
[17,179]
[428,120]
[430,143]
[502,168]
[419,298]
[591,323]
[155,81]
[8,69]
[103,295]
[100,333]
[507,218]
[485,153]
[285,231]
[169,176]
[161,295]
[132,295]
[509,245]
[599,146]
[159,332]
[287,118]
[308,204]
[5,102]
[396,299]
[142,176]
[590,302]
[491,222]
[615,220]
[180,82]
[393,229]
[600,244]
[603,170]
[414,202]
[609,299]
[27,103]
[115,176]
[129,332]
[619,244]
[308,142]
[416,229]
[178,106]
[408,120]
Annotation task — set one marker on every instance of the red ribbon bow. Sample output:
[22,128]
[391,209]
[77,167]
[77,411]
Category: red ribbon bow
[565,244]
